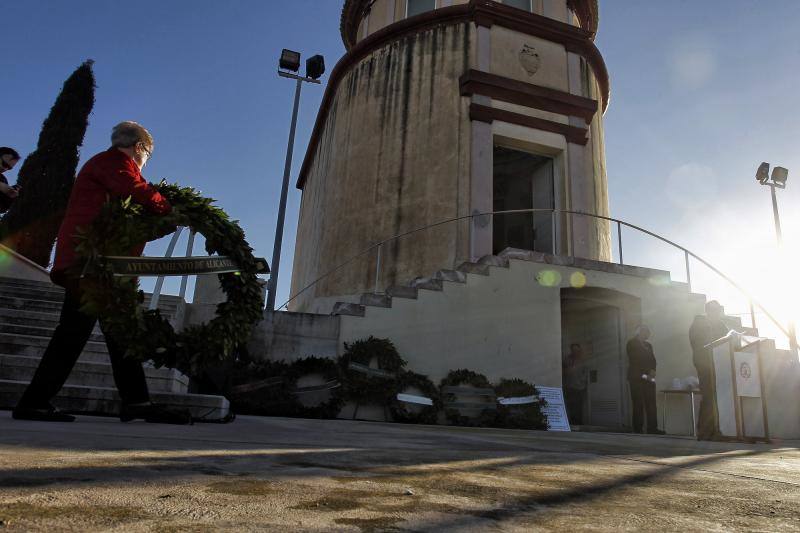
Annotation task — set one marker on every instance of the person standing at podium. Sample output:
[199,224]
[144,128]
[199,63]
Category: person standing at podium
[704,330]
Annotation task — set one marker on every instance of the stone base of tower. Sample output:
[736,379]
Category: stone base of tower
[516,314]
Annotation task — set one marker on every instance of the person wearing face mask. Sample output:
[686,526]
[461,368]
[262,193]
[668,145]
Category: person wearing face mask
[8,159]
[113,173]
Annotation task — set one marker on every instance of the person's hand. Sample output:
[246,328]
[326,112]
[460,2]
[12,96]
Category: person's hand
[14,191]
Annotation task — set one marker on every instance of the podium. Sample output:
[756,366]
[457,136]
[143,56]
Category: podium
[739,387]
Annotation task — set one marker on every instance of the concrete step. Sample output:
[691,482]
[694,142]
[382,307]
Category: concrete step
[93,374]
[474,268]
[348,308]
[49,310]
[50,300]
[376,300]
[34,346]
[428,284]
[18,282]
[40,331]
[27,304]
[400,291]
[50,295]
[494,260]
[453,276]
[32,318]
[105,400]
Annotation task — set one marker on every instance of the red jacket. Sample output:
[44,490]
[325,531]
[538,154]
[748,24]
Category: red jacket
[108,174]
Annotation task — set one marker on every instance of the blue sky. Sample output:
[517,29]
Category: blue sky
[701,93]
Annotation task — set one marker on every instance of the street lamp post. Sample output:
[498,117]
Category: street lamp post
[315,67]
[777,180]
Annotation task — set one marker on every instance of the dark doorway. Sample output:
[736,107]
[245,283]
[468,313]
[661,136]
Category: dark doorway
[522,181]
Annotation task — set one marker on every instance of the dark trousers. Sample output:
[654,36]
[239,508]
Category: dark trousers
[707,417]
[643,404]
[575,400]
[66,345]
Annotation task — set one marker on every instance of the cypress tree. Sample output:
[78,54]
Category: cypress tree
[46,177]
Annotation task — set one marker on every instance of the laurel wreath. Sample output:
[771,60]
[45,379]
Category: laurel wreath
[121,226]
[418,414]
[462,376]
[523,416]
[363,388]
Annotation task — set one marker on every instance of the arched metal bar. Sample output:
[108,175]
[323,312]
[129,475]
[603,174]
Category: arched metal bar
[687,253]
[160,280]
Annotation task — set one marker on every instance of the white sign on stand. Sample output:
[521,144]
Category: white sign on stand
[554,410]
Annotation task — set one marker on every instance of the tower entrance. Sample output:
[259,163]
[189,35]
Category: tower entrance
[522,180]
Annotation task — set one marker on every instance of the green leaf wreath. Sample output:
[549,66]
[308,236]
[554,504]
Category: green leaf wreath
[364,388]
[523,416]
[455,378]
[418,414]
[121,226]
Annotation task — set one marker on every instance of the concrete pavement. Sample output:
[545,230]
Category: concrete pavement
[276,474]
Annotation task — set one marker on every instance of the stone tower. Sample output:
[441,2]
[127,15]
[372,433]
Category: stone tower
[445,108]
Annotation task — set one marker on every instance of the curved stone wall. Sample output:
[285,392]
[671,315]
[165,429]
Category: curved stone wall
[404,139]
[393,157]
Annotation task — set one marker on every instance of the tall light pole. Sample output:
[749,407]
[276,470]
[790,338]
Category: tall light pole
[777,180]
[315,68]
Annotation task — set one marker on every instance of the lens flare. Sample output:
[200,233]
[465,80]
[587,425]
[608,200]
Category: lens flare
[577,280]
[5,259]
[548,278]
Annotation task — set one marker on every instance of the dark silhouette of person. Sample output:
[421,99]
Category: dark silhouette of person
[642,381]
[704,330]
[8,159]
[575,383]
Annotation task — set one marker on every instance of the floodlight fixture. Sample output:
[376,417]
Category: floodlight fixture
[290,60]
[779,175]
[315,67]
[762,174]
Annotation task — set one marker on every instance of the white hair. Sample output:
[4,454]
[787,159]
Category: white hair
[127,134]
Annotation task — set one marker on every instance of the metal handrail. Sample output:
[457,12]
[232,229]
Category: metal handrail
[687,254]
[156,295]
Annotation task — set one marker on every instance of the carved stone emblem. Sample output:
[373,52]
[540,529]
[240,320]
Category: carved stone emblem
[529,59]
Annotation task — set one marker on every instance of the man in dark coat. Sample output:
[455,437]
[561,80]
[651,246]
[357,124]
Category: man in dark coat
[704,330]
[8,159]
[642,381]
[113,173]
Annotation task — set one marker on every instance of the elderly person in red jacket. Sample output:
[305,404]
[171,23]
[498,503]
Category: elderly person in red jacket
[113,173]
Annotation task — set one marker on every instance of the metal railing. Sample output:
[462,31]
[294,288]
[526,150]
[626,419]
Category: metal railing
[688,254]
[184,279]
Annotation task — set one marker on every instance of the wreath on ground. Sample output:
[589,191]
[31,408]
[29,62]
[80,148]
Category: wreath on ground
[121,226]
[261,388]
[368,385]
[455,378]
[421,414]
[522,416]
[333,379]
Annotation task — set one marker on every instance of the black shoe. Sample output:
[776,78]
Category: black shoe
[655,432]
[155,413]
[41,414]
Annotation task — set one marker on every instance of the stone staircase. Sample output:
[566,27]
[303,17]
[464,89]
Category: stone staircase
[483,268]
[28,315]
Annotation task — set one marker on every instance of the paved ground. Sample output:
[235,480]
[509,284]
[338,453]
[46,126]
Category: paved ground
[279,474]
